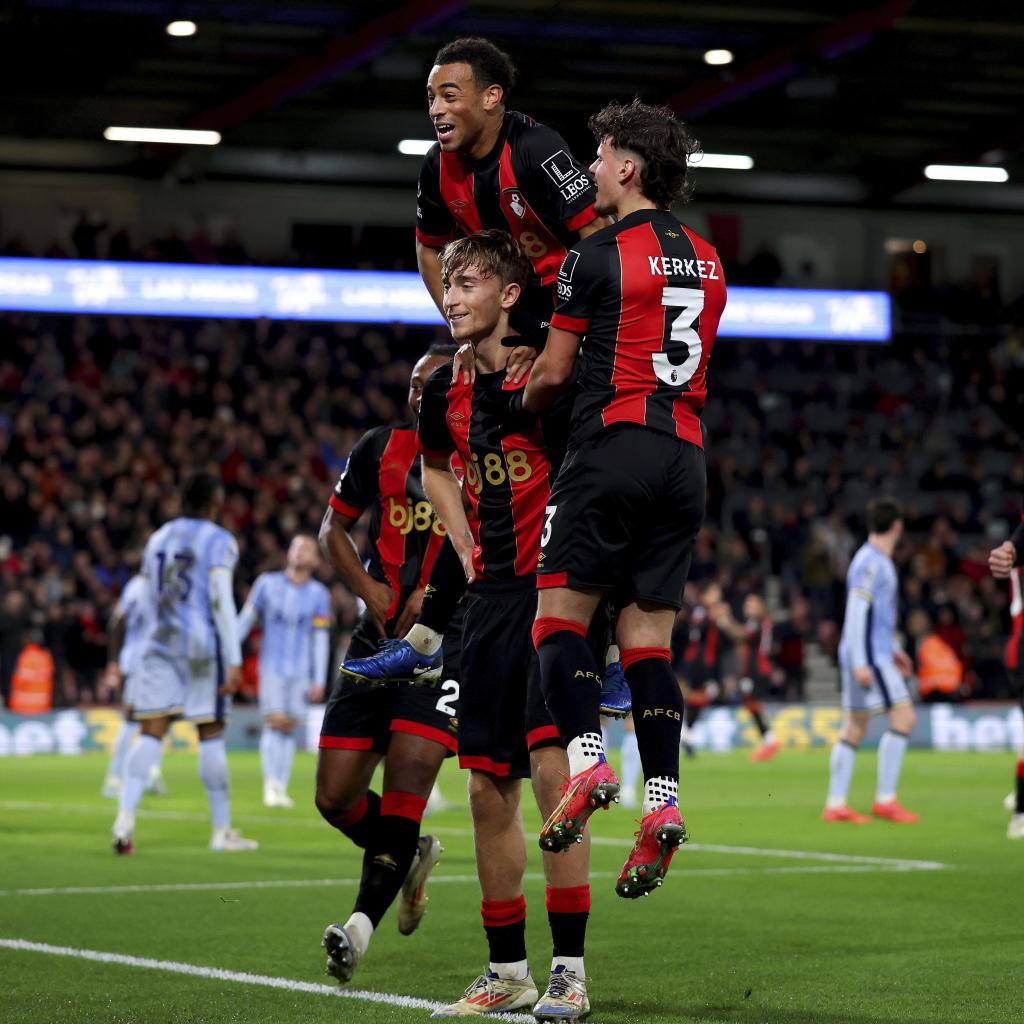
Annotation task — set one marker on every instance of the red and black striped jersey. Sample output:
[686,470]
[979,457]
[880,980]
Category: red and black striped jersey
[530,184]
[510,466]
[383,475]
[647,294]
[756,650]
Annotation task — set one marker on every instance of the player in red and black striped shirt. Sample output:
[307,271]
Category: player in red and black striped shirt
[497,168]
[505,730]
[1007,562]
[643,298]
[414,728]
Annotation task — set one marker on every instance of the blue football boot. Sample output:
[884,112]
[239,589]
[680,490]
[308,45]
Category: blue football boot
[616,700]
[397,661]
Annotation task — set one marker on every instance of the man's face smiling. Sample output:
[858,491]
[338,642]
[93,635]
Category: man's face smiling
[457,106]
[472,304]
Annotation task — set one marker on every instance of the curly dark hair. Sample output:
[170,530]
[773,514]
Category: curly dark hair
[659,139]
[494,251]
[490,65]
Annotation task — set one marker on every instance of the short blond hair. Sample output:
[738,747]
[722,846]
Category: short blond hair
[493,252]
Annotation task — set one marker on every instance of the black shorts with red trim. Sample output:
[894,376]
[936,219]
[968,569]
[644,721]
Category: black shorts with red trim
[362,717]
[623,516]
[502,714]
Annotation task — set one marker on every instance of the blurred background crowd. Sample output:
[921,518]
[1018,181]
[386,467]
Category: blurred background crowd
[100,417]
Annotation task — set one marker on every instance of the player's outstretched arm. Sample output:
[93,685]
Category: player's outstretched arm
[552,372]
[445,495]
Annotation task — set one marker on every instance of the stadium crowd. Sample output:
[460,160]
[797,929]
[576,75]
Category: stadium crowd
[100,417]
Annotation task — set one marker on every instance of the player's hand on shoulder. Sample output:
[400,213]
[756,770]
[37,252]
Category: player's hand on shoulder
[232,682]
[464,364]
[519,363]
[1000,560]
[411,612]
[863,675]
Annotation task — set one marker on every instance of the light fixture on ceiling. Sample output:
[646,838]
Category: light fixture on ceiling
[965,172]
[723,161]
[718,57]
[182,29]
[171,136]
[416,147]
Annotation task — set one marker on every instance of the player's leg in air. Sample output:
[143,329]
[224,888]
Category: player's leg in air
[648,564]
[413,729]
[416,657]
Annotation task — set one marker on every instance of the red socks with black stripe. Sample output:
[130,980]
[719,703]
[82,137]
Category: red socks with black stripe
[568,911]
[505,925]
[359,823]
[1020,785]
[389,853]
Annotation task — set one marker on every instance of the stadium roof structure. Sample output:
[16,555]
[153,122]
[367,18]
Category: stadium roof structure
[844,102]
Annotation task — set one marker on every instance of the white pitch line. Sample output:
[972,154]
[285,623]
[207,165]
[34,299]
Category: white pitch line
[242,977]
[310,883]
[896,863]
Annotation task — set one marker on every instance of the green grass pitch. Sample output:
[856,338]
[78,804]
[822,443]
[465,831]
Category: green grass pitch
[733,936]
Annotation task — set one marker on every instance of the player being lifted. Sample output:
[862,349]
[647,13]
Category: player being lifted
[411,728]
[643,298]
[492,168]
[1005,562]
[505,731]
[190,664]
[127,634]
[873,671]
[294,611]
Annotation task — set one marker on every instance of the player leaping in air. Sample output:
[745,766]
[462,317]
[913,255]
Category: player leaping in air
[492,168]
[643,298]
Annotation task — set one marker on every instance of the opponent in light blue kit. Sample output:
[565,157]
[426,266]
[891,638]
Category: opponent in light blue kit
[874,671]
[127,632]
[190,663]
[294,611]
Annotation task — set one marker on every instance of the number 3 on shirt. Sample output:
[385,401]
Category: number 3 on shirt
[684,342]
[549,514]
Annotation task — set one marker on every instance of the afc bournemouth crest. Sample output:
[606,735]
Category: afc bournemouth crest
[515,201]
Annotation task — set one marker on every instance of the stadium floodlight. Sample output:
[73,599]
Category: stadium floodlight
[723,161]
[182,28]
[171,136]
[415,147]
[718,57]
[965,172]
